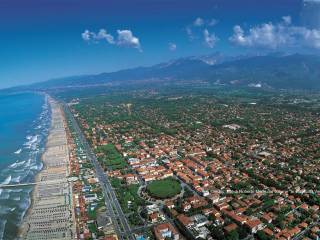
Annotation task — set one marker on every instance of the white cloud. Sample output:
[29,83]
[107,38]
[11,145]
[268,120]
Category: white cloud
[96,37]
[274,36]
[86,35]
[199,29]
[266,35]
[209,39]
[198,22]
[126,39]
[172,46]
[201,22]
[286,19]
[103,35]
[307,37]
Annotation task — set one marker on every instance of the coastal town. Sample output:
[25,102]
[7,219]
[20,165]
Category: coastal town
[177,167]
[198,168]
[160,120]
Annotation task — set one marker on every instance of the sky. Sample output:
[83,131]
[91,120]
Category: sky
[45,39]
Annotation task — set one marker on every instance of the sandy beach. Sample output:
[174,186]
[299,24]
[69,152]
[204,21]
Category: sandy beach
[50,215]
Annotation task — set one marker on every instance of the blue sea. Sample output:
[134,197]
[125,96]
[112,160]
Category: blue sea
[24,123]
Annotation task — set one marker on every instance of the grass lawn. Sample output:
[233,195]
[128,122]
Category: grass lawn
[165,188]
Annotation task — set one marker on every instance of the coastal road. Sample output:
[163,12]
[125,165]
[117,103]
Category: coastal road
[120,221]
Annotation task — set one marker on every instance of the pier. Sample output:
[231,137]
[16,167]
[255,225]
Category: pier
[25,184]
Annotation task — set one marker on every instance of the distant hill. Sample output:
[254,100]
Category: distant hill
[273,71]
[284,72]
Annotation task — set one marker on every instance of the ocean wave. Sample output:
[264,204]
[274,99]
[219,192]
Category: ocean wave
[29,137]
[18,170]
[15,190]
[16,201]
[18,151]
[16,179]
[5,210]
[36,167]
[21,175]
[24,205]
[7,180]
[16,164]
[28,163]
[18,198]
[32,141]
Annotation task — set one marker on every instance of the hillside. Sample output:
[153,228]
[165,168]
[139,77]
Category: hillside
[278,72]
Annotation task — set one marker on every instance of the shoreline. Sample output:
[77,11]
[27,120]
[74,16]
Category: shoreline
[47,200]
[22,228]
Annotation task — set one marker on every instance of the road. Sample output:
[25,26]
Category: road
[120,221]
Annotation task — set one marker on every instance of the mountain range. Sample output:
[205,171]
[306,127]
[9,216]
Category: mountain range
[275,71]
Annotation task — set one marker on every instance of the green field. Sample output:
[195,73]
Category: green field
[111,158]
[165,188]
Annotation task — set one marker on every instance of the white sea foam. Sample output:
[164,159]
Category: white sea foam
[18,170]
[16,179]
[4,210]
[28,163]
[32,141]
[13,165]
[16,198]
[7,180]
[18,151]
[21,171]
[25,173]
[24,205]
[34,167]
[17,164]
[16,190]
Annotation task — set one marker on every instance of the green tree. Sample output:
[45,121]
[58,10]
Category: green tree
[262,236]
[233,235]
[216,232]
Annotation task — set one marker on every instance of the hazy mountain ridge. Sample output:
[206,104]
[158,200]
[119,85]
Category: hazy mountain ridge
[272,71]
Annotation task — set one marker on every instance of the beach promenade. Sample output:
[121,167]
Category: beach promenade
[51,215]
